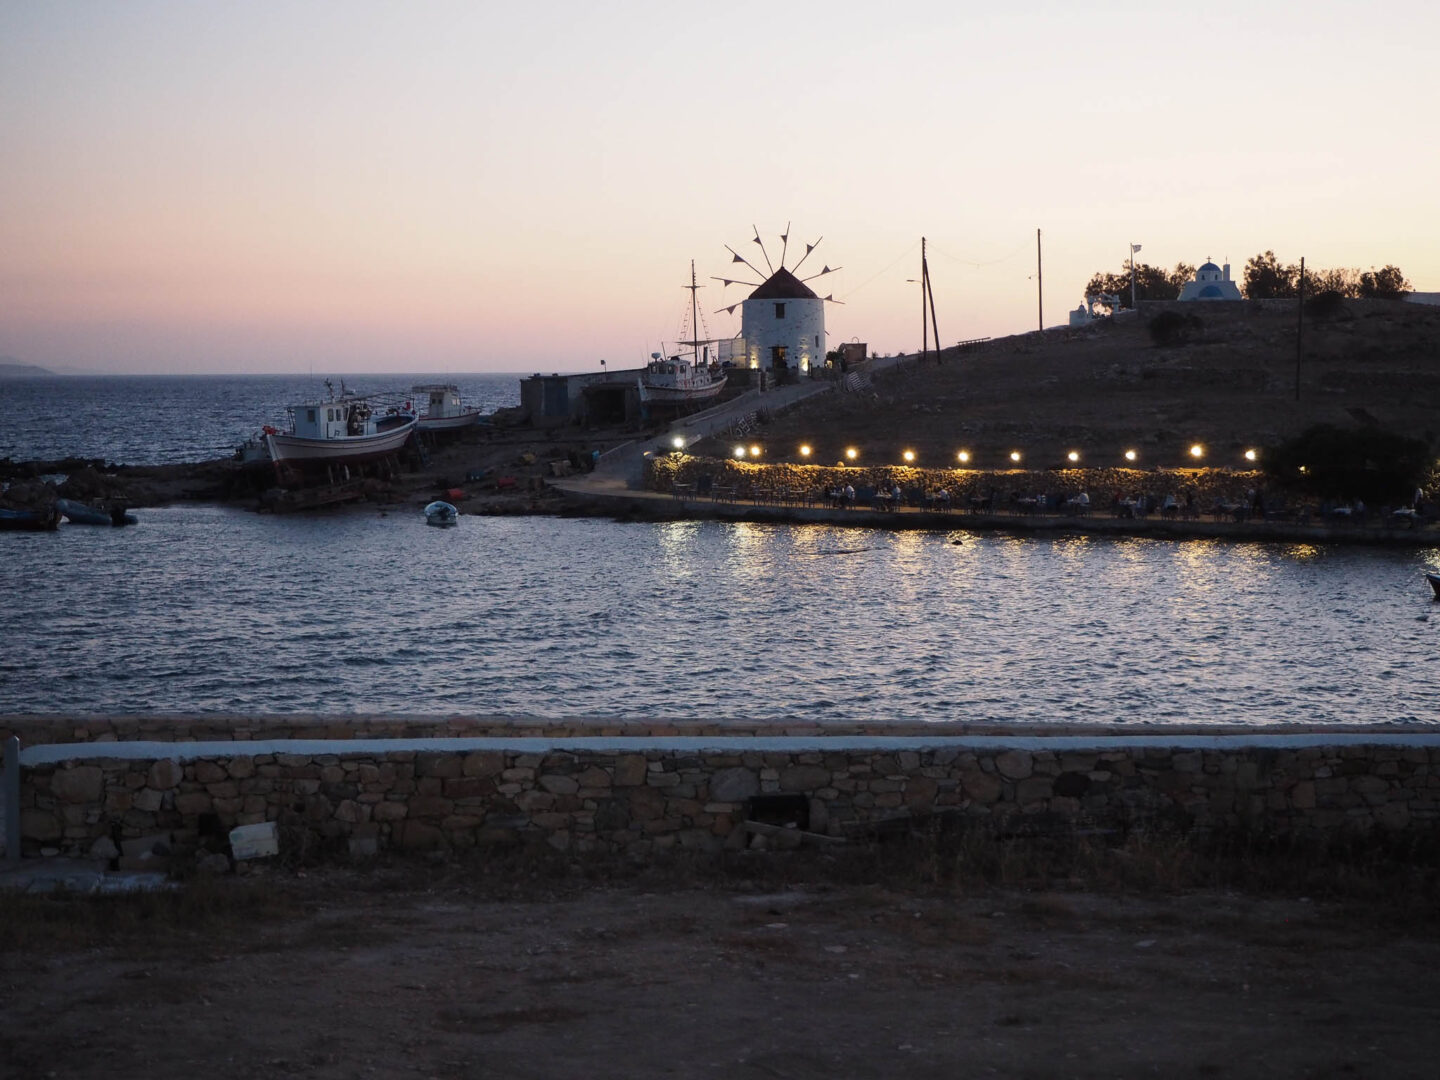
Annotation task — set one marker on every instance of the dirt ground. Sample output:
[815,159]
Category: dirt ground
[343,973]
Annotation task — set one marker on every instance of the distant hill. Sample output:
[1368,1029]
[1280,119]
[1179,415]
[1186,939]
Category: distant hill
[10,368]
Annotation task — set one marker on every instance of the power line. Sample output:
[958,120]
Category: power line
[909,250]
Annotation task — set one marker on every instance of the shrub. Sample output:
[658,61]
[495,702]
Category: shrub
[1350,463]
[1326,305]
[1173,328]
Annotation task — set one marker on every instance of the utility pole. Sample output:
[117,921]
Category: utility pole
[1039,283]
[1300,327]
[935,326]
[924,286]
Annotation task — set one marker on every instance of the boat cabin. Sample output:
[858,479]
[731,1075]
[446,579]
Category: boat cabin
[343,419]
[437,401]
[330,420]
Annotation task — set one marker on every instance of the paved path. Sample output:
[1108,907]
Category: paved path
[627,462]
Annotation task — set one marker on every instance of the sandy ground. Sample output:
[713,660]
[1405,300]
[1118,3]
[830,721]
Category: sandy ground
[375,974]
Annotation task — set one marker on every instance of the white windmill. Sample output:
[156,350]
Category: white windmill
[782,323]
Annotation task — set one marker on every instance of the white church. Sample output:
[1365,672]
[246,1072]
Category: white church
[1211,283]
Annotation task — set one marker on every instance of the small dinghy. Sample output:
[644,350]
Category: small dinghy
[441,514]
[1434,580]
[29,520]
[78,513]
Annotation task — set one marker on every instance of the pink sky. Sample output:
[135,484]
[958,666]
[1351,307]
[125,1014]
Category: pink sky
[471,187]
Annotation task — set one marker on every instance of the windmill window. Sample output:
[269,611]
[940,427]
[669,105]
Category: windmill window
[779,311]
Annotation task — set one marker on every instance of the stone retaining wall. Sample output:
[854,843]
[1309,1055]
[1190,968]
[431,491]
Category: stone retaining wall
[637,796]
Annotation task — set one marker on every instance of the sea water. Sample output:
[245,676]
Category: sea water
[169,420]
[210,609]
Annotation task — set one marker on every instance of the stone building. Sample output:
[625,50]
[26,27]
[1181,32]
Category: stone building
[783,326]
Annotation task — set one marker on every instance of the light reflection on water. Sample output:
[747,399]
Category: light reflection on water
[207,609]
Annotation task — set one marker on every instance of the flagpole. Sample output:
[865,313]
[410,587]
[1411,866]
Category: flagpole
[1133,248]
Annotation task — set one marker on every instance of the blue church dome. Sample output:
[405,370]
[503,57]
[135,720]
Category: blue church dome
[1208,266]
[1210,292]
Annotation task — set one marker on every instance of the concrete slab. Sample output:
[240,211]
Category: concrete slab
[79,877]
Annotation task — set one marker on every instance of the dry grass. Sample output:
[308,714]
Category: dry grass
[198,907]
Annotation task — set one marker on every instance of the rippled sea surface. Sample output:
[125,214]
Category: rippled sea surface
[168,419]
[210,609]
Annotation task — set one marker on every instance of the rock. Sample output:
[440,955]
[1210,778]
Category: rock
[351,811]
[981,787]
[147,799]
[142,846]
[804,778]
[208,772]
[166,774]
[192,803]
[1015,764]
[483,764]
[389,811]
[734,785]
[559,785]
[104,849]
[255,841]
[630,770]
[82,784]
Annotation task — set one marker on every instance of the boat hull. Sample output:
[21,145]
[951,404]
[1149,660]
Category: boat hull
[679,395]
[80,514]
[1434,580]
[447,423]
[295,449]
[29,520]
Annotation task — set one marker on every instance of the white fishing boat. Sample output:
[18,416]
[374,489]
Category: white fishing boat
[676,380]
[679,380]
[440,408]
[344,429]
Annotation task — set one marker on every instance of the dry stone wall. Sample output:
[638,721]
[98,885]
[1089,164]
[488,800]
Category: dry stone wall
[638,797]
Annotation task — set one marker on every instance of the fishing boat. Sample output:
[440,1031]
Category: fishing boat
[679,380]
[443,409]
[29,520]
[1434,580]
[441,514]
[348,429]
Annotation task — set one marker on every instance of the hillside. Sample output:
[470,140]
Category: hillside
[1108,388]
[10,368]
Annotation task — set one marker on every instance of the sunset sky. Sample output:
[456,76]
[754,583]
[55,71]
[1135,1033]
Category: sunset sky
[471,186]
